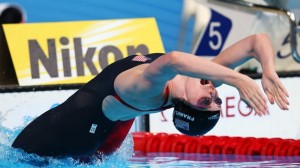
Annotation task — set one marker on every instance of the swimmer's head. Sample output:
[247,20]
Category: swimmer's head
[193,121]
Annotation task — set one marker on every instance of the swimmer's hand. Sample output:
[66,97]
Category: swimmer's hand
[275,90]
[252,95]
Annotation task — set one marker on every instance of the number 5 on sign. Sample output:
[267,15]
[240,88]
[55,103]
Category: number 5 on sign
[213,32]
[214,36]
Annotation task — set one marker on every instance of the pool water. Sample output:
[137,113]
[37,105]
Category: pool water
[125,157]
[176,160]
[11,157]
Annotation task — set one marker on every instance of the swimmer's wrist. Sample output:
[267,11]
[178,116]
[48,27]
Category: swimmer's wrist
[268,69]
[233,79]
[269,73]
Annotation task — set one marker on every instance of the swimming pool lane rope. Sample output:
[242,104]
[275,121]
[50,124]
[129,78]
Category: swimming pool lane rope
[145,142]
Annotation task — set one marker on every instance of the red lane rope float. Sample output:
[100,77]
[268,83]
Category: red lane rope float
[145,142]
[218,144]
[231,145]
[294,149]
[256,146]
[282,150]
[204,144]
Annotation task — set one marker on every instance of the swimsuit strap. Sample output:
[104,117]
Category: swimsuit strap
[162,107]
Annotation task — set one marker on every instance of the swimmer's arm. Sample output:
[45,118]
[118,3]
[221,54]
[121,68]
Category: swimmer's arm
[175,63]
[151,79]
[169,65]
[257,46]
[143,86]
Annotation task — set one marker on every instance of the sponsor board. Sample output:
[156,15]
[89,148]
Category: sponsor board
[74,52]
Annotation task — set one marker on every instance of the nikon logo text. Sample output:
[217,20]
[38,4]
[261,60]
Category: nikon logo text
[48,59]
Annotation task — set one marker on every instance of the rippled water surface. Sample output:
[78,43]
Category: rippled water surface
[125,157]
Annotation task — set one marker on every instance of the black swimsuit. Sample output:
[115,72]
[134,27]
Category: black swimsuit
[78,126]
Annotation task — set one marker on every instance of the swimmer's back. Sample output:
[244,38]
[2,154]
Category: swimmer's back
[78,126]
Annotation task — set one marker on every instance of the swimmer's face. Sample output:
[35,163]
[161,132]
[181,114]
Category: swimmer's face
[203,95]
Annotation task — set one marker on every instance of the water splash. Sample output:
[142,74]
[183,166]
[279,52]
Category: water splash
[11,157]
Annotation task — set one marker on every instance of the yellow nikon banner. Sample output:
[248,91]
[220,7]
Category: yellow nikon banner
[74,52]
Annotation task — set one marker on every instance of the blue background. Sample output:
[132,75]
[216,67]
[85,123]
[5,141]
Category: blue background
[166,12]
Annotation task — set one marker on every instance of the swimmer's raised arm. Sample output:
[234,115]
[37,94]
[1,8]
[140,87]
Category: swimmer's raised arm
[152,80]
[175,63]
[257,46]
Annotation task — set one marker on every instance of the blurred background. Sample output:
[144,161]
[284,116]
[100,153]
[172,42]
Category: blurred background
[168,14]
[182,23]
[201,27]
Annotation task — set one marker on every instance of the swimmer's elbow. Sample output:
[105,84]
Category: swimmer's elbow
[260,46]
[260,36]
[259,39]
